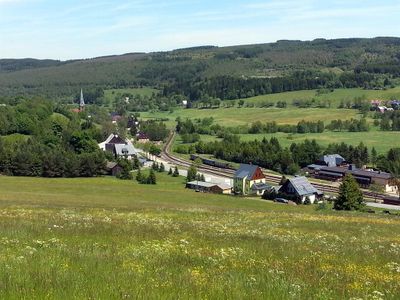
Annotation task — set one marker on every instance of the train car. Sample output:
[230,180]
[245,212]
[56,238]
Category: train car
[194,157]
[211,162]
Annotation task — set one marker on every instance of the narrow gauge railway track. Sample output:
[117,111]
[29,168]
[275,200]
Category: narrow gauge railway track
[228,173]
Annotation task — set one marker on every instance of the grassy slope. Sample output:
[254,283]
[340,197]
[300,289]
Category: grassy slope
[107,239]
[382,141]
[335,97]
[243,116]
[110,94]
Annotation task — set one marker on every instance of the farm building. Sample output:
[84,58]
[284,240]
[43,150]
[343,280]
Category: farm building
[249,179]
[364,177]
[113,168]
[300,189]
[209,187]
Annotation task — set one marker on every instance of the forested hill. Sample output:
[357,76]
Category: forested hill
[226,73]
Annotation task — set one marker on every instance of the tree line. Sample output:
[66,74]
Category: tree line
[271,155]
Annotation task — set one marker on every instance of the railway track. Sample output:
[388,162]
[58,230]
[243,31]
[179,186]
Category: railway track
[229,173]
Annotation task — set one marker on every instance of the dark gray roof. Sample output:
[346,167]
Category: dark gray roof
[125,149]
[333,160]
[357,173]
[260,187]
[302,186]
[315,166]
[246,171]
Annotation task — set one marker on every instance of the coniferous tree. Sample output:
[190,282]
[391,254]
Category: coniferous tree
[152,177]
[135,163]
[161,168]
[374,156]
[176,172]
[170,171]
[350,196]
[125,174]
[191,174]
[139,176]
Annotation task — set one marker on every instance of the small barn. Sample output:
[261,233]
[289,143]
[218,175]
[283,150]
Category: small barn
[209,187]
[113,168]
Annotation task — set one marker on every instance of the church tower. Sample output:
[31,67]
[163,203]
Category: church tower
[81,102]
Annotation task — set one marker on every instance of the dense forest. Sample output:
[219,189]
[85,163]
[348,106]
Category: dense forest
[220,73]
[42,138]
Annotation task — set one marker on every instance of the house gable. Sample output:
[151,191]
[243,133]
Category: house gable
[258,174]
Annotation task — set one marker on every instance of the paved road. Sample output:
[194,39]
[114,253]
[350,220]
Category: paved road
[384,206]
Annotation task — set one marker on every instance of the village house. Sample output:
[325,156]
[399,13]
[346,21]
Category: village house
[300,189]
[119,147]
[249,179]
[331,160]
[142,138]
[209,187]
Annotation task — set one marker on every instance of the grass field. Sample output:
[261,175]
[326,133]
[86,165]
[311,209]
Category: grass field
[291,115]
[110,94]
[243,116]
[381,140]
[335,97]
[109,239]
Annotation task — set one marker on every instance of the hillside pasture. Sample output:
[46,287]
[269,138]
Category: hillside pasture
[381,140]
[245,116]
[145,91]
[333,98]
[106,239]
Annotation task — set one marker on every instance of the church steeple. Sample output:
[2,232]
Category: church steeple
[81,102]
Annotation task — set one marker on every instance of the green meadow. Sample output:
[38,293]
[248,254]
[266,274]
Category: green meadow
[381,140]
[334,97]
[112,93]
[103,238]
[235,116]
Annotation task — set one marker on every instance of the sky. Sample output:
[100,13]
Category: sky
[72,29]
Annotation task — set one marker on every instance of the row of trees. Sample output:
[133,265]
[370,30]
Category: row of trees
[270,154]
[273,127]
[352,125]
[390,121]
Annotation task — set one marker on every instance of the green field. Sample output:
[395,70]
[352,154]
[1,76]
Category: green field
[235,116]
[381,140]
[245,116]
[334,97]
[291,115]
[109,239]
[109,95]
